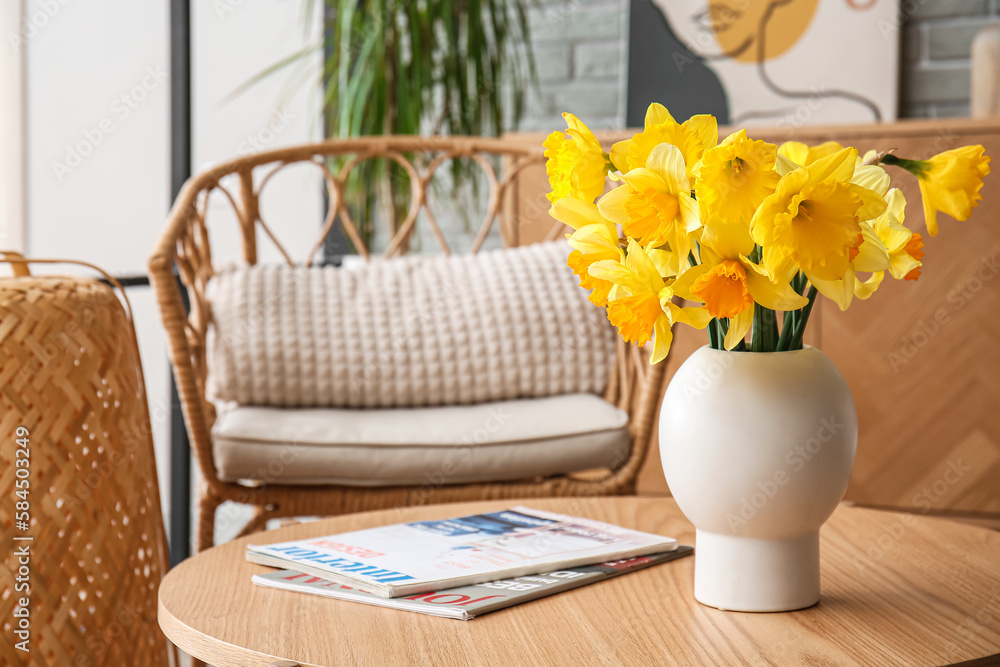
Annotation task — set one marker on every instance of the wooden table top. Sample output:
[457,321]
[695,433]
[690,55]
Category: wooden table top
[897,590]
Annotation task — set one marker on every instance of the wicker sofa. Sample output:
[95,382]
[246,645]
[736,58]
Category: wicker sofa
[313,390]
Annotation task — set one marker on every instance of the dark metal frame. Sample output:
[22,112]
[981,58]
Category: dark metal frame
[180,170]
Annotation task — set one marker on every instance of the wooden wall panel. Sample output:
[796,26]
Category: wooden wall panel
[923,359]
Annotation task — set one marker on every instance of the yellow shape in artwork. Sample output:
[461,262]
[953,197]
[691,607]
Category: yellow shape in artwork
[740,28]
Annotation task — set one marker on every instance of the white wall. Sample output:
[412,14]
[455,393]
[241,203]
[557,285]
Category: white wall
[232,42]
[12,145]
[97,85]
[99,130]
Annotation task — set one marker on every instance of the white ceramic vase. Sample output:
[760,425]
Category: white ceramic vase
[758,450]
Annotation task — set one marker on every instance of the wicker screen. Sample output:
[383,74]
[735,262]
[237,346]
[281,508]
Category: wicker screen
[71,397]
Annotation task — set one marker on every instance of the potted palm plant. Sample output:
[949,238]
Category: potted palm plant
[458,67]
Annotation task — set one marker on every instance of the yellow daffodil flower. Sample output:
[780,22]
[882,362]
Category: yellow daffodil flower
[576,164]
[729,286]
[732,181]
[693,137]
[595,238]
[950,182]
[644,306]
[693,212]
[654,206]
[812,222]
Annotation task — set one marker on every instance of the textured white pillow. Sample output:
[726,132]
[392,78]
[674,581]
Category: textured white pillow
[407,332]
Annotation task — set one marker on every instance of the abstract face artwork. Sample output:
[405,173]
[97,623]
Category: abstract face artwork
[775,62]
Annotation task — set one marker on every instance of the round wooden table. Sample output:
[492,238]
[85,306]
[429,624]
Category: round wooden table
[897,590]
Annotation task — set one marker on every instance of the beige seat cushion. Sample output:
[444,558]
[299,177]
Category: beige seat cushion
[407,332]
[442,445]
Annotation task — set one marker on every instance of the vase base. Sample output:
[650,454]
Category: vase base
[753,574]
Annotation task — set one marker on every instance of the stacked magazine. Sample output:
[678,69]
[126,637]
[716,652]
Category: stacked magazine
[465,566]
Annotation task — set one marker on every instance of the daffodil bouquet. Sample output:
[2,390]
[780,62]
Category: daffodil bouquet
[744,228]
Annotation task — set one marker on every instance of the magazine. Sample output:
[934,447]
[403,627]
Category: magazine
[410,558]
[468,602]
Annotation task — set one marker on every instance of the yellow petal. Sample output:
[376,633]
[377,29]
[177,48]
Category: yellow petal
[930,213]
[612,205]
[738,328]
[619,154]
[783,165]
[840,292]
[662,337]
[729,241]
[778,296]
[642,266]
[618,273]
[705,127]
[872,177]
[667,161]
[872,203]
[682,286]
[643,179]
[838,166]
[794,151]
[872,254]
[889,227]
[575,212]
[901,264]
[691,316]
[576,128]
[806,155]
[657,114]
[864,289]
[594,238]
[665,262]
[689,213]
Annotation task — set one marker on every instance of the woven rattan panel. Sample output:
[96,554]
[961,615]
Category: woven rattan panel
[69,375]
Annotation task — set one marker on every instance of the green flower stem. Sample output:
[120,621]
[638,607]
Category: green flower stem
[765,330]
[713,341]
[790,319]
[787,327]
[721,329]
[915,167]
[802,320]
[720,332]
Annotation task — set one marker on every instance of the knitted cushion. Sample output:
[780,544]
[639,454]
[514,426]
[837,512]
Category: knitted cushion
[407,332]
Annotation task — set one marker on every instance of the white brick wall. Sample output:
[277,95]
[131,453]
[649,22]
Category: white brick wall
[936,41]
[582,54]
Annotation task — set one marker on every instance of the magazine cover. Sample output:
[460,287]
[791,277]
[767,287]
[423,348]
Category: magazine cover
[403,559]
[468,602]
